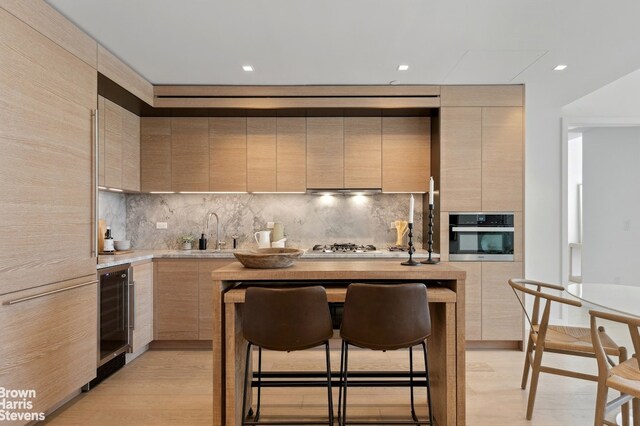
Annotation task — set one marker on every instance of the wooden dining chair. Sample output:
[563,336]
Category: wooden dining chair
[624,377]
[545,337]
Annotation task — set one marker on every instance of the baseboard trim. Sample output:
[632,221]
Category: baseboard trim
[180,344]
[494,344]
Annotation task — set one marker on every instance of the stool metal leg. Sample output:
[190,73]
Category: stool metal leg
[341,381]
[329,391]
[344,383]
[257,416]
[413,407]
[244,393]
[426,368]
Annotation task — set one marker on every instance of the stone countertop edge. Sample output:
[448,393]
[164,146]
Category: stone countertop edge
[107,261]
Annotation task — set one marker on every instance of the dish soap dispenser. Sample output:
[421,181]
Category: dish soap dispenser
[202,242]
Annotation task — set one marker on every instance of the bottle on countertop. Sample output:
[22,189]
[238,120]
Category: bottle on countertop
[108,241]
[202,242]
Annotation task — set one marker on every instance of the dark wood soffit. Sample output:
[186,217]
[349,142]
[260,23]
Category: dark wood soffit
[119,95]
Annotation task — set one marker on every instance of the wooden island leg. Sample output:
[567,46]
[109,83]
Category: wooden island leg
[236,352]
[442,363]
[219,288]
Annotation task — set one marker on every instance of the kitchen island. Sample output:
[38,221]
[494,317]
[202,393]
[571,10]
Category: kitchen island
[446,344]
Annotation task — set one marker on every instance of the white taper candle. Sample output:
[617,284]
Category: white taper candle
[411,209]
[431,190]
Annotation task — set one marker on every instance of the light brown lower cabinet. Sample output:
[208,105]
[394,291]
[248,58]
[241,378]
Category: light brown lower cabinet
[502,317]
[176,300]
[184,299]
[473,299]
[49,340]
[205,297]
[143,305]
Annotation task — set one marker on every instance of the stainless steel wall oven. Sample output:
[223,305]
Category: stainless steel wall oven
[481,236]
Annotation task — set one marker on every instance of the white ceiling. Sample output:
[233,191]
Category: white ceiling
[620,98]
[363,41]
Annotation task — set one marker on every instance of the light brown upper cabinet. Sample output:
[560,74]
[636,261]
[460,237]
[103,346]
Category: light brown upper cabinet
[406,154]
[362,152]
[113,144]
[189,154]
[155,154]
[461,159]
[228,154]
[502,159]
[46,131]
[482,95]
[261,154]
[325,152]
[101,145]
[130,151]
[291,154]
[118,146]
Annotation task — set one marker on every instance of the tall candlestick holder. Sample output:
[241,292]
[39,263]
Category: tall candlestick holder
[430,260]
[411,250]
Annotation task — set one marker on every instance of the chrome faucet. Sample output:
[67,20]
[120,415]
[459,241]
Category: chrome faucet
[219,243]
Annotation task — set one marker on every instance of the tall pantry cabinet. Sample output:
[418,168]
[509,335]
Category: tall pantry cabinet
[48,294]
[482,170]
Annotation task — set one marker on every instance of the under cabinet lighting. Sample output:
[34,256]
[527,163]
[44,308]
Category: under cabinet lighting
[247,68]
[161,192]
[278,192]
[403,67]
[212,192]
[560,67]
[115,190]
[405,192]
[103,187]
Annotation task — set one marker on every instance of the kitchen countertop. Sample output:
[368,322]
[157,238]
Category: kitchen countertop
[106,261]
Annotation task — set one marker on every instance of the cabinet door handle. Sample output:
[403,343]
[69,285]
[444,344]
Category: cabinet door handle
[482,229]
[48,293]
[96,178]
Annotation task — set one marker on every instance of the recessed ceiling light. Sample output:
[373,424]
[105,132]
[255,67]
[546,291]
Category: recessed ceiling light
[560,67]
[247,68]
[403,67]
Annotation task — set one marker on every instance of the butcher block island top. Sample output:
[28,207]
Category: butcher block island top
[445,290]
[341,270]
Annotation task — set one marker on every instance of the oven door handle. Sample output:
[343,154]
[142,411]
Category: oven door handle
[482,229]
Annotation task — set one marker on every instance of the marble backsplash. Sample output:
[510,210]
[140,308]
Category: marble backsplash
[112,207]
[307,219]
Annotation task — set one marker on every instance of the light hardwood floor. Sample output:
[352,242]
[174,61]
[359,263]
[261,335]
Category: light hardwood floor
[174,387]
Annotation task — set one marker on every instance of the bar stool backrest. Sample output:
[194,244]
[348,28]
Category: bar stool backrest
[288,319]
[386,317]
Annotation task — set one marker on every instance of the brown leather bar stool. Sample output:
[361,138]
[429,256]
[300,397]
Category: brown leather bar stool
[385,317]
[289,319]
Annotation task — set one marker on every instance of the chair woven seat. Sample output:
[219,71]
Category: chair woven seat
[625,378]
[575,339]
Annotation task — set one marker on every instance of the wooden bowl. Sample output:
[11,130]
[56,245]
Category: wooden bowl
[268,258]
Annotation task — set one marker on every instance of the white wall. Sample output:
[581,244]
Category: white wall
[611,179]
[574,178]
[542,188]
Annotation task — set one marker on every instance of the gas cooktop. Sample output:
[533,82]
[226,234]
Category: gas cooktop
[344,248]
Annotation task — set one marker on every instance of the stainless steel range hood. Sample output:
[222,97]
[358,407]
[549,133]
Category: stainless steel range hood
[342,191]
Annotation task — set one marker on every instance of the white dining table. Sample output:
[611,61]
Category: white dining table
[623,299]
